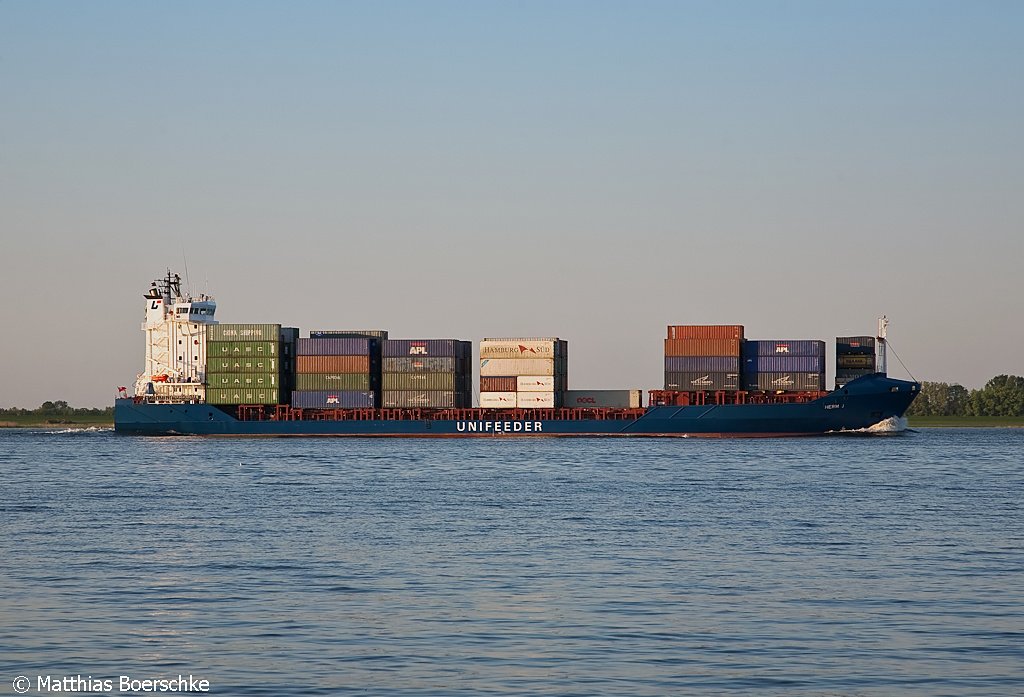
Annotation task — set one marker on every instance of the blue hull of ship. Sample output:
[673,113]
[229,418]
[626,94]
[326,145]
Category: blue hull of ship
[861,404]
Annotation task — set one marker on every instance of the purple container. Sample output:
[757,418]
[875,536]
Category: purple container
[783,347]
[705,364]
[439,348]
[782,364]
[333,399]
[337,346]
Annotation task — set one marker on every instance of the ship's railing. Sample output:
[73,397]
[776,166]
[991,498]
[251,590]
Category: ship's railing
[283,412]
[677,398]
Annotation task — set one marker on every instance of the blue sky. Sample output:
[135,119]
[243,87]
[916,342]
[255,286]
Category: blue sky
[591,170]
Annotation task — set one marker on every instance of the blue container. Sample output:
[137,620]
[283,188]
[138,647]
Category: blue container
[333,399]
[782,347]
[337,346]
[705,364]
[424,348]
[782,364]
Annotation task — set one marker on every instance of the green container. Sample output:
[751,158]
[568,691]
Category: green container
[242,364]
[238,380]
[242,396]
[241,349]
[243,332]
[315,382]
[423,381]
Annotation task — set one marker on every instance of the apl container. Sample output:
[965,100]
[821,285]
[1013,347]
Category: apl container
[602,399]
[782,347]
[357,382]
[332,364]
[693,364]
[333,399]
[452,348]
[705,331]
[702,347]
[243,332]
[783,382]
[337,346]
[691,382]
[497,400]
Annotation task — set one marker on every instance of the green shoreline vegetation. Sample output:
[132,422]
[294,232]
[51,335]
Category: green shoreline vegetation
[999,404]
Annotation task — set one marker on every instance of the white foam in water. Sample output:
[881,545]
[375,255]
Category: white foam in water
[894,424]
[90,429]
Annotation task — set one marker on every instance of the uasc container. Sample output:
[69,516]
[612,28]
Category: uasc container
[238,380]
[242,364]
[241,349]
[242,396]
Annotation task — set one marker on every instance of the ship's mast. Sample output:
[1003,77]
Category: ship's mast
[883,325]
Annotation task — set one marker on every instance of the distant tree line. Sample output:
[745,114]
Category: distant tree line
[1003,395]
[58,409]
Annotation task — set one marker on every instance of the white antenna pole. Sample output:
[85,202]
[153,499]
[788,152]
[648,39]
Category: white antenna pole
[883,325]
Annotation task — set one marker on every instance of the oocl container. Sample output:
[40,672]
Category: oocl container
[594,399]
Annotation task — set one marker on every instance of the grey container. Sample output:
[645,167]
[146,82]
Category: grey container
[337,346]
[424,381]
[594,399]
[424,399]
[424,365]
[784,382]
[782,364]
[702,381]
[693,364]
[333,399]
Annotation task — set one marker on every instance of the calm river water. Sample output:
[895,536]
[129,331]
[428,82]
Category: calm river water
[824,566]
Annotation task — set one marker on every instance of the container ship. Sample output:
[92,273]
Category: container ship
[207,378]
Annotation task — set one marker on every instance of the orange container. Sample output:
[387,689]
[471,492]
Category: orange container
[332,364]
[705,331]
[702,347]
[494,384]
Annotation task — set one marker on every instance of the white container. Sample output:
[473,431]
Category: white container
[535,383]
[498,367]
[497,400]
[535,400]
[521,348]
[596,399]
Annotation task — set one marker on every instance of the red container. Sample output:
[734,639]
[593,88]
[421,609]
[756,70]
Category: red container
[497,384]
[702,347]
[332,364]
[705,331]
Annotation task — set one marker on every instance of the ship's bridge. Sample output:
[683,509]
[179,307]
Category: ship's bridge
[195,311]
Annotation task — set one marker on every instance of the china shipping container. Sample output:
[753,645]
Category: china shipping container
[856,360]
[535,383]
[705,331]
[498,384]
[424,381]
[424,399]
[781,364]
[242,396]
[242,348]
[332,364]
[380,334]
[855,344]
[255,364]
[523,348]
[594,399]
[497,400]
[693,364]
[537,400]
[780,347]
[333,399]
[337,346]
[518,366]
[452,348]
[243,332]
[702,347]
[699,381]
[357,382]
[784,382]
[240,380]
[424,365]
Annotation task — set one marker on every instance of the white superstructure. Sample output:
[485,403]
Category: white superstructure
[175,329]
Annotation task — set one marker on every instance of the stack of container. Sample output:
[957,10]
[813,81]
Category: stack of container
[337,370]
[523,373]
[426,373]
[783,366]
[855,356]
[703,357]
[248,363]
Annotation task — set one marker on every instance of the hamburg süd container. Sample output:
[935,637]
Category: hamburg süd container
[705,331]
[517,366]
[693,364]
[332,364]
[337,346]
[497,400]
[536,400]
[701,382]
[523,348]
[535,383]
[243,332]
[333,399]
[702,347]
[357,382]
[781,347]
[783,382]
[598,399]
